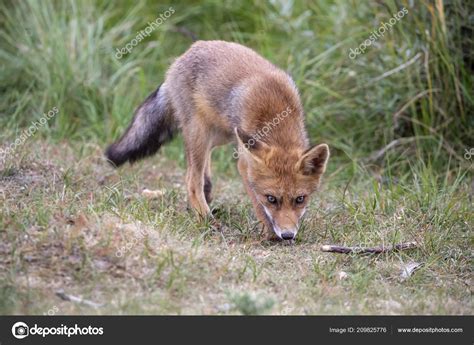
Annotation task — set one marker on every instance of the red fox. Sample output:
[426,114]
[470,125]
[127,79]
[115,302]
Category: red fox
[220,92]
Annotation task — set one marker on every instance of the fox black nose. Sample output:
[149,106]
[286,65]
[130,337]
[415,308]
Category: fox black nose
[287,235]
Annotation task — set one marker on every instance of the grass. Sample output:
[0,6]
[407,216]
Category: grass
[73,223]
[70,222]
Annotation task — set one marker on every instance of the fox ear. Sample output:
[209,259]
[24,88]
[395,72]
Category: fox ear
[248,144]
[314,160]
[245,140]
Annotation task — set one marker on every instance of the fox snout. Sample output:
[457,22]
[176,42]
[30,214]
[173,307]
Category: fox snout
[285,230]
[285,233]
[284,226]
[288,235]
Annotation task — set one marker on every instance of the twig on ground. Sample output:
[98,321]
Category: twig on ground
[368,250]
[61,294]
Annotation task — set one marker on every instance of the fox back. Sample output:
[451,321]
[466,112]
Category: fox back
[234,87]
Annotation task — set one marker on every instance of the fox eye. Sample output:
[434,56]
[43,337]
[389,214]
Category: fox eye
[271,199]
[300,199]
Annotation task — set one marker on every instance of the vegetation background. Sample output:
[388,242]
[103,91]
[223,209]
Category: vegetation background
[399,120]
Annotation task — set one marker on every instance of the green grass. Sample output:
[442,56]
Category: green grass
[397,170]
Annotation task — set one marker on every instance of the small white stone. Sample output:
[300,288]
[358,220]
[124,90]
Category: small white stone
[152,194]
[342,275]
[408,269]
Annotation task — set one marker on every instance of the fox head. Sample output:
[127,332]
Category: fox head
[282,180]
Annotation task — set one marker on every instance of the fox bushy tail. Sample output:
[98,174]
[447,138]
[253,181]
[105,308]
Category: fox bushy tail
[153,125]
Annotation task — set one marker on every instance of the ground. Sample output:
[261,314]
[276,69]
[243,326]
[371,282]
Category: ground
[71,225]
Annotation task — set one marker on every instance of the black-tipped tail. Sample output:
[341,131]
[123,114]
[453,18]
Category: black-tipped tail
[153,125]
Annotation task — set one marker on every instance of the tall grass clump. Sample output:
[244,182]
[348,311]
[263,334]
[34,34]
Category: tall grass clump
[62,54]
